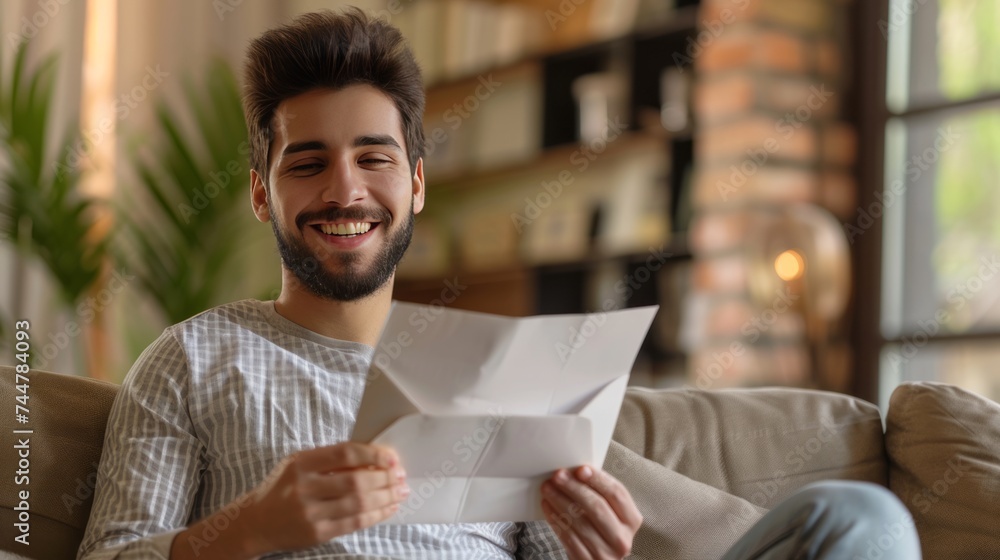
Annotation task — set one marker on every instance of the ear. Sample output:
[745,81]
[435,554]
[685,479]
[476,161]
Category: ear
[418,187]
[258,197]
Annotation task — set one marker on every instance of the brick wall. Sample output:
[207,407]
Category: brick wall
[772,83]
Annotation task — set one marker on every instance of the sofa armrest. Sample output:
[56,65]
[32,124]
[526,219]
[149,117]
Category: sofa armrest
[68,415]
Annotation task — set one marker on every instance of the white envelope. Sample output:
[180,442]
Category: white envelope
[482,408]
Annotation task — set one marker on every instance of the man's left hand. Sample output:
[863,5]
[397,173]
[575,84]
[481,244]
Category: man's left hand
[591,512]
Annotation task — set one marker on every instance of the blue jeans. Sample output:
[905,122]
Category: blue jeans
[833,520]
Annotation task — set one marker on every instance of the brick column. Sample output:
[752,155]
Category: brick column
[771,86]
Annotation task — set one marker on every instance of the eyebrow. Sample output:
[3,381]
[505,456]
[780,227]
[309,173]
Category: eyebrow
[363,140]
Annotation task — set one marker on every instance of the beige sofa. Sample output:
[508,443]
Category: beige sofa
[702,465]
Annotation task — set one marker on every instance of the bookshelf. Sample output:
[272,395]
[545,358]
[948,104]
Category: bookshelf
[536,202]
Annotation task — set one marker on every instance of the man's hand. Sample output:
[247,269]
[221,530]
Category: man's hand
[309,498]
[591,513]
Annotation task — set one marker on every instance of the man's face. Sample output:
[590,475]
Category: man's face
[341,197]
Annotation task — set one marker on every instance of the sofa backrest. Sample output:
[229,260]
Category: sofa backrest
[67,415]
[758,444]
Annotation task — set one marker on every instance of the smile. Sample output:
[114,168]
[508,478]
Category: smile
[348,229]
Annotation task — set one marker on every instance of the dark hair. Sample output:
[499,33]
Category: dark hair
[330,50]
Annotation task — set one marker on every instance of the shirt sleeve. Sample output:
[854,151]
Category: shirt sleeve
[537,541]
[151,462]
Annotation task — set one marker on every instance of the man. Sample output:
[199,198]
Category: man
[229,436]
[223,441]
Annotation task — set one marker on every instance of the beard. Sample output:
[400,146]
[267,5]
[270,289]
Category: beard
[349,280]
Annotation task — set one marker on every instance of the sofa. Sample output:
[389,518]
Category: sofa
[703,466]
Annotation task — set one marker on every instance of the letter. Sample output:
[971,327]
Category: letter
[60,340]
[565,177]
[758,155]
[222,178]
[199,200]
[554,188]
[853,231]
[123,277]
[750,332]
[736,348]
[993,265]
[489,83]
[554,19]
[725,189]
[621,288]
[520,222]
[563,351]
[221,9]
[681,60]
[455,286]
[957,301]
[28,30]
[85,312]
[771,145]
[864,219]
[187,212]
[531,209]
[956,463]
[451,118]
[785,128]
[23,537]
[579,160]
[462,451]
[157,74]
[929,327]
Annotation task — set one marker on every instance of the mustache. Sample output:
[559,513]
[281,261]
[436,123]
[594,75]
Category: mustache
[352,213]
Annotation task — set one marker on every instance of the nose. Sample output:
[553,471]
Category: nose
[345,185]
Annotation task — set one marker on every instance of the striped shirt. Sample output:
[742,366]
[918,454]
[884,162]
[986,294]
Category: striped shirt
[214,404]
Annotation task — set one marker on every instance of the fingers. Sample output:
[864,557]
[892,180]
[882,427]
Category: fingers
[593,510]
[342,483]
[346,456]
[613,492]
[330,529]
[358,504]
[567,519]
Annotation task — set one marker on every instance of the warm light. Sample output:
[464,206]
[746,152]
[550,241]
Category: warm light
[789,265]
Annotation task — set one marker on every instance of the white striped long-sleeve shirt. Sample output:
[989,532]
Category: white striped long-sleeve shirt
[214,404]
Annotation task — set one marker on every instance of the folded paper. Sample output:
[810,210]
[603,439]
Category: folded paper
[482,409]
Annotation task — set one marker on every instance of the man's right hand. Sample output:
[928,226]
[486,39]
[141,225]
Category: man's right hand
[309,498]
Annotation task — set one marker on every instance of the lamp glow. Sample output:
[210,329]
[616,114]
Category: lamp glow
[790,265]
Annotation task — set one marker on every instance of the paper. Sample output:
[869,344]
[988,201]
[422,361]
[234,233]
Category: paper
[482,408]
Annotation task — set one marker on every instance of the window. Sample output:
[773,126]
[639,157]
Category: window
[939,313]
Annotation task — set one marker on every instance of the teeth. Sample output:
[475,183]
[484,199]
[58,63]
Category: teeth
[353,228]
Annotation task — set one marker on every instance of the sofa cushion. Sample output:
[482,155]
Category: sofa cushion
[944,451]
[758,444]
[68,415]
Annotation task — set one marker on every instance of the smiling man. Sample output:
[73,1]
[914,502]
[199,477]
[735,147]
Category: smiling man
[229,437]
